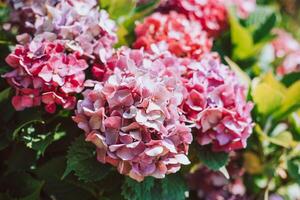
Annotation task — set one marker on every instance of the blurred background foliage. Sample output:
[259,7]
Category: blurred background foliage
[44,157]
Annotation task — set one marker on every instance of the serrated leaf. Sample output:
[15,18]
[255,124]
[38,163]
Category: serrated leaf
[171,187]
[81,159]
[294,169]
[133,190]
[213,160]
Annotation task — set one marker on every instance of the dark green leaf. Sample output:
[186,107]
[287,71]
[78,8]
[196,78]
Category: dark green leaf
[69,188]
[171,187]
[81,159]
[213,160]
[20,159]
[291,78]
[22,186]
[133,190]
[294,169]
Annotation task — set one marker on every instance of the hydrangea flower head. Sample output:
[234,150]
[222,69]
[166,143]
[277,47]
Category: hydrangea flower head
[175,32]
[290,64]
[216,103]
[78,23]
[133,118]
[284,43]
[43,72]
[211,14]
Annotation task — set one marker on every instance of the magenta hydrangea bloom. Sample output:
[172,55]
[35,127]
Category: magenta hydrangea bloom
[78,23]
[133,118]
[43,72]
[174,32]
[216,103]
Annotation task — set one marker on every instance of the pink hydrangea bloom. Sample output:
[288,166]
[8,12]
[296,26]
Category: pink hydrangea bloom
[290,64]
[211,14]
[43,72]
[216,103]
[284,43]
[78,23]
[133,118]
[174,32]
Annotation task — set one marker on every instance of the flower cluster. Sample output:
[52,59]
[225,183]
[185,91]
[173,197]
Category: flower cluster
[216,103]
[57,40]
[134,119]
[43,72]
[211,14]
[175,32]
[78,23]
[287,48]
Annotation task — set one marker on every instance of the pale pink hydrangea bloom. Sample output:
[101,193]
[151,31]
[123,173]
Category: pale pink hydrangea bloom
[216,103]
[290,64]
[175,32]
[78,23]
[284,43]
[43,72]
[133,118]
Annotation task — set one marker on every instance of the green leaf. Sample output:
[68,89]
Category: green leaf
[268,94]
[294,169]
[213,160]
[118,8]
[171,187]
[23,186]
[241,39]
[243,76]
[133,190]
[264,20]
[290,79]
[81,159]
[20,159]
[51,173]
[290,103]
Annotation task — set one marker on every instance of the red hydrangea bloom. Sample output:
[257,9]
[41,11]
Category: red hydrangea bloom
[290,64]
[78,23]
[133,118]
[175,32]
[43,72]
[216,103]
[212,14]
[284,43]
